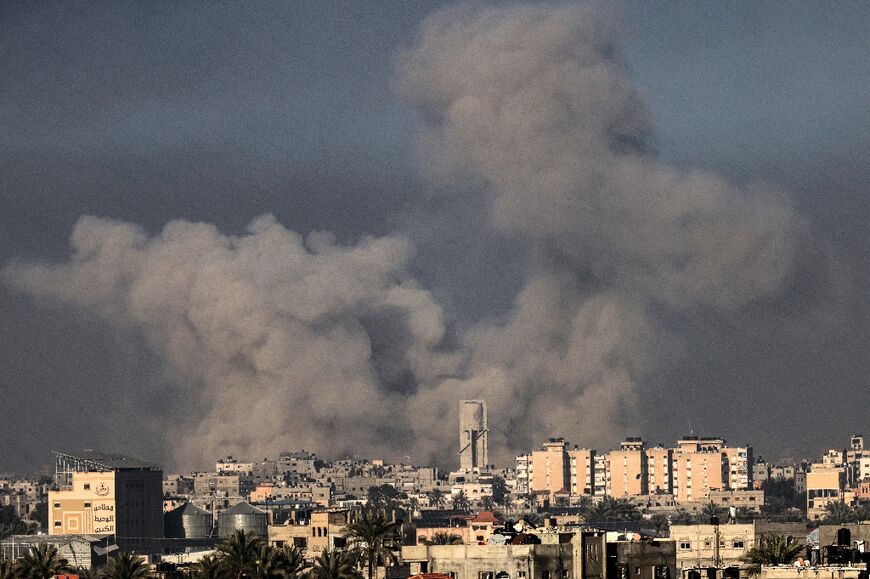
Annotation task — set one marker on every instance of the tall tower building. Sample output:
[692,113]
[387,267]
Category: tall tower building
[473,435]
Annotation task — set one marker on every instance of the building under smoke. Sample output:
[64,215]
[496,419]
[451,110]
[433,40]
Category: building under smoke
[472,435]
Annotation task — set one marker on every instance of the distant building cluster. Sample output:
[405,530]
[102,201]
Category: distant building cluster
[652,512]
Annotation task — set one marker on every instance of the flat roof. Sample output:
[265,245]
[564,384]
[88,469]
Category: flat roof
[105,460]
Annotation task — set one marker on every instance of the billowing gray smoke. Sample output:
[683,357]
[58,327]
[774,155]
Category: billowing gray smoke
[533,103]
[289,342]
[269,332]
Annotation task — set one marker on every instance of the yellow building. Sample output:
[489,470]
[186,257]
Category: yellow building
[825,484]
[110,495]
[325,530]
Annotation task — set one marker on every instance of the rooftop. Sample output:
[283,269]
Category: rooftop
[103,461]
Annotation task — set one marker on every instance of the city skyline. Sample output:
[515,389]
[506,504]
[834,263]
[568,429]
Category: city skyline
[605,221]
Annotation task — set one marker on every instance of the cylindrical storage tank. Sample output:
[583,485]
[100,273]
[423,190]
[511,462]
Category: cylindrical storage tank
[243,517]
[188,522]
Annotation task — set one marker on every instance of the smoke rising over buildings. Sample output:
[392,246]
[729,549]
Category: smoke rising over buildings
[530,109]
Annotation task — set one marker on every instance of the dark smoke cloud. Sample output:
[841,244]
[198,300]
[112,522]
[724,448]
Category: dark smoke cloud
[528,111]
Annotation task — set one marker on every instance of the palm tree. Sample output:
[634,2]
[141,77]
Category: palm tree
[369,534]
[613,510]
[239,554]
[682,517]
[7,569]
[461,502]
[487,504]
[209,567]
[837,513]
[443,538]
[42,562]
[280,563]
[126,566]
[772,550]
[436,498]
[660,523]
[293,560]
[711,510]
[332,564]
[861,512]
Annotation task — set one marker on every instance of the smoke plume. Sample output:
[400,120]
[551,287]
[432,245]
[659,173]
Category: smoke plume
[272,334]
[534,104]
[287,342]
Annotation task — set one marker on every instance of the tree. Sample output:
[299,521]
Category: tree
[436,498]
[239,554]
[369,534]
[332,564]
[42,562]
[7,569]
[682,517]
[487,504]
[837,513]
[461,502]
[209,567]
[499,490]
[772,550]
[126,566]
[660,523]
[711,510]
[613,510]
[861,512]
[443,538]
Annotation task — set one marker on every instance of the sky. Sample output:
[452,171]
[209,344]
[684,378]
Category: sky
[609,220]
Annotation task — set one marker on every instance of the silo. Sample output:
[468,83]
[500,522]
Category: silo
[188,522]
[243,517]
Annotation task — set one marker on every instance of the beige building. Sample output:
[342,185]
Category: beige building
[627,469]
[826,483]
[557,469]
[699,466]
[725,545]
[325,530]
[659,467]
[118,496]
[582,471]
[549,468]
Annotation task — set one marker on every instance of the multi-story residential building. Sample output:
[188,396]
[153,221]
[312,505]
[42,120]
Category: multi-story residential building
[738,463]
[704,546]
[581,463]
[550,468]
[324,530]
[600,475]
[826,483]
[627,469]
[659,466]
[299,462]
[521,480]
[231,465]
[699,466]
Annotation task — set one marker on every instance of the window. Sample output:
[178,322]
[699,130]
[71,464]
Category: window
[57,505]
[87,505]
[87,486]
[737,544]
[57,523]
[485,575]
[708,543]
[521,574]
[685,545]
